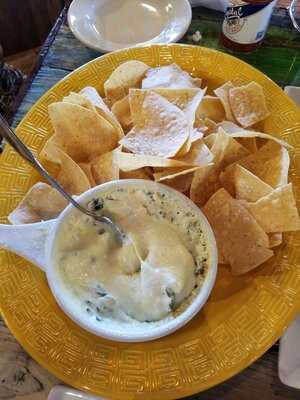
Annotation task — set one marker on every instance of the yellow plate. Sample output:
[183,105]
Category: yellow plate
[242,319]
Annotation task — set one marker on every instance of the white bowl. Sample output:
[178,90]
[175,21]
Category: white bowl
[37,243]
[108,25]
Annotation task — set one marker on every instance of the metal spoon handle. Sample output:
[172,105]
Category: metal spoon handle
[24,152]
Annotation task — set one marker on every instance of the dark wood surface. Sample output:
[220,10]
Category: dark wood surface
[280,59]
[25,24]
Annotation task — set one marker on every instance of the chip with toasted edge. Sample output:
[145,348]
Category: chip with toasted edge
[212,108]
[87,169]
[248,104]
[125,76]
[244,185]
[68,173]
[277,211]
[222,93]
[275,239]
[206,181]
[199,154]
[131,162]
[104,168]
[230,128]
[101,108]
[169,76]
[81,133]
[270,163]
[161,129]
[121,110]
[239,237]
[41,202]
[141,173]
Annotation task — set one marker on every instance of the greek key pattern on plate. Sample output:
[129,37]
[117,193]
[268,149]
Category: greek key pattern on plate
[244,315]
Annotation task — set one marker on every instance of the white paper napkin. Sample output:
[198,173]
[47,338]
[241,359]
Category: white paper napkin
[289,349]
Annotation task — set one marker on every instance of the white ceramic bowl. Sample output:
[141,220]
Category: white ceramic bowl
[37,243]
[108,25]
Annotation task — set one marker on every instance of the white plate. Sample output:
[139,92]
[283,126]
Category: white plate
[108,25]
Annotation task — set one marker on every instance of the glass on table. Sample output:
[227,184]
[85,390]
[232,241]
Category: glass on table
[294,11]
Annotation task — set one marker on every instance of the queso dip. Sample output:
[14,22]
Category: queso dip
[154,275]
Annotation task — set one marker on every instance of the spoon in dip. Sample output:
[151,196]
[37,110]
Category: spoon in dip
[7,133]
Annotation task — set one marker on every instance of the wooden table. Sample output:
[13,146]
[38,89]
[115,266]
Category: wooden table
[279,57]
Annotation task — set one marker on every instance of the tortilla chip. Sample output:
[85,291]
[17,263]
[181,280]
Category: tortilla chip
[210,140]
[172,173]
[221,258]
[231,128]
[161,129]
[222,93]
[275,239]
[206,181]
[248,104]
[40,203]
[248,142]
[76,98]
[190,112]
[243,185]
[141,173]
[253,134]
[81,133]
[225,147]
[87,169]
[104,168]
[180,181]
[125,76]
[206,125]
[239,238]
[90,93]
[270,163]
[181,98]
[187,100]
[101,108]
[233,150]
[199,154]
[68,173]
[131,162]
[169,76]
[121,110]
[277,211]
[196,135]
[212,108]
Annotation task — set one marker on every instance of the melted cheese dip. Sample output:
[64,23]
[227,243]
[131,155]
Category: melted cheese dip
[156,272]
